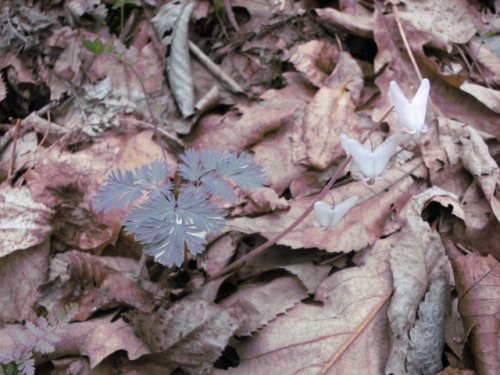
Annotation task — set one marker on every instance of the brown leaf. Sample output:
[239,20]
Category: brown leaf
[489,97]
[361,25]
[94,283]
[21,274]
[219,252]
[24,223]
[98,338]
[246,125]
[361,227]
[264,301]
[191,334]
[478,285]
[315,60]
[310,337]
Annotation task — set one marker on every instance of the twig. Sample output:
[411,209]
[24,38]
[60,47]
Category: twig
[230,15]
[215,69]
[356,333]
[238,263]
[47,130]
[13,157]
[405,41]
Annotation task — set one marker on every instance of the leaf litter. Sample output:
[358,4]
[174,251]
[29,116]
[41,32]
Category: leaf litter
[406,282]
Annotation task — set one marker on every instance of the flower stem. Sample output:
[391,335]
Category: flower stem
[258,250]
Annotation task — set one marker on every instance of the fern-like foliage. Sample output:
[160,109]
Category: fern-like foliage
[169,224]
[214,170]
[123,189]
[39,337]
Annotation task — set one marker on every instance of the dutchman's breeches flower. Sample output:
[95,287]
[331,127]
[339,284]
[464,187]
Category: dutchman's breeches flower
[368,165]
[328,215]
[410,114]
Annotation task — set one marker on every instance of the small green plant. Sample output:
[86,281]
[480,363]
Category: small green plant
[38,338]
[169,222]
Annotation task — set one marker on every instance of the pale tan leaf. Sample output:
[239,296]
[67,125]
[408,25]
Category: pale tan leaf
[264,301]
[3,89]
[489,97]
[98,338]
[179,69]
[329,113]
[416,261]
[361,227]
[24,223]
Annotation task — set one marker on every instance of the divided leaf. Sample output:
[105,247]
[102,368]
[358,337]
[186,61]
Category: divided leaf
[165,224]
[123,189]
[214,168]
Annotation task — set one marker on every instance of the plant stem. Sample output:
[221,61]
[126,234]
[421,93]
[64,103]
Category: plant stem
[258,250]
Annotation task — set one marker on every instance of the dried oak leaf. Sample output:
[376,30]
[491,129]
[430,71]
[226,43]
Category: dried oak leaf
[94,283]
[21,274]
[191,334]
[478,284]
[358,229]
[357,24]
[303,264]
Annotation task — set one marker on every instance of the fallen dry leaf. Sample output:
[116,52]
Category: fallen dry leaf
[477,280]
[308,336]
[191,334]
[264,301]
[21,274]
[24,222]
[93,283]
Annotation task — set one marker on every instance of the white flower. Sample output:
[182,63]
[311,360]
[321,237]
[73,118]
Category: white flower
[368,165]
[410,114]
[328,215]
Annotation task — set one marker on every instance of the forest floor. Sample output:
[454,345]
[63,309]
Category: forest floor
[161,165]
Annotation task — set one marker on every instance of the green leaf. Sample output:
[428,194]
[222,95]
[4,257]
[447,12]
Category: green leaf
[95,46]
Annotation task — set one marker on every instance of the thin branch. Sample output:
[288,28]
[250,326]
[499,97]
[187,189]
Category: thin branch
[358,332]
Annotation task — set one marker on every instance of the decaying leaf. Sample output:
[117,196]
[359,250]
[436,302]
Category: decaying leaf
[263,302]
[102,284]
[191,334]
